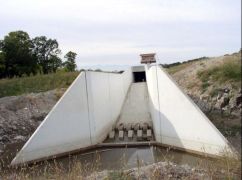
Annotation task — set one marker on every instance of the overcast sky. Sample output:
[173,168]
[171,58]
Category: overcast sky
[113,32]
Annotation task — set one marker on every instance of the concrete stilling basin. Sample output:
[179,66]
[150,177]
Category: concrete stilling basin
[141,106]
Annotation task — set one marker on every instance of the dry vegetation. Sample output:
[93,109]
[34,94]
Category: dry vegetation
[207,75]
[34,84]
[223,168]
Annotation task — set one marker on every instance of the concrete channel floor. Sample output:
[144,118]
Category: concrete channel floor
[135,122]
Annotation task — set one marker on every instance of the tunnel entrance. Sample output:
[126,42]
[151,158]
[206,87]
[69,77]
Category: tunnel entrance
[139,76]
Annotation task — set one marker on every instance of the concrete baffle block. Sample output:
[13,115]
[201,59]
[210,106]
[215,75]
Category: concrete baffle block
[130,134]
[149,134]
[121,134]
[111,135]
[139,135]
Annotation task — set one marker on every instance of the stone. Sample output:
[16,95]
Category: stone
[5,138]
[204,97]
[238,100]
[226,90]
[224,101]
[219,95]
[22,138]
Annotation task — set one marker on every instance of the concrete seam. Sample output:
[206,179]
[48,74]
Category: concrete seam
[157,84]
[110,107]
[88,109]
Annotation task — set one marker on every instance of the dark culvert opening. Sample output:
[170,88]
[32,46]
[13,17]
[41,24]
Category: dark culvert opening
[139,76]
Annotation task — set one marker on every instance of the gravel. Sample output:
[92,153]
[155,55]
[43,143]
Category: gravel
[21,115]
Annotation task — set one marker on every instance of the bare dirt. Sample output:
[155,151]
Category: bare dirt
[21,115]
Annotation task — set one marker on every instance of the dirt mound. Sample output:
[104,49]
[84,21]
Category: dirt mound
[21,115]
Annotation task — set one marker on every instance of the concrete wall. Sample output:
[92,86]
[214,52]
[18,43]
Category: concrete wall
[106,94]
[65,128]
[177,120]
[138,68]
[154,101]
[82,117]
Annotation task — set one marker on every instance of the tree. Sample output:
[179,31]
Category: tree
[18,58]
[2,64]
[70,64]
[55,63]
[46,52]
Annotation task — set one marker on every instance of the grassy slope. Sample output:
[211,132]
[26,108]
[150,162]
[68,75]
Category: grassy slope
[230,70]
[34,84]
[227,72]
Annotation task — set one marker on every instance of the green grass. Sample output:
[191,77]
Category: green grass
[229,71]
[35,84]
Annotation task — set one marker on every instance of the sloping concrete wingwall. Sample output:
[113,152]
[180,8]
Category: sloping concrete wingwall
[177,120]
[81,118]
[106,94]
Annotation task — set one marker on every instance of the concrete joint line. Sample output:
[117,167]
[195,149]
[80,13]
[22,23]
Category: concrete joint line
[157,85]
[88,108]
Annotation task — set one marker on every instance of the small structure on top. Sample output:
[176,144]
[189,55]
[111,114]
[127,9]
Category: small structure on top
[148,58]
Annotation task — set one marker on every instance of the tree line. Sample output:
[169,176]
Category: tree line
[22,56]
